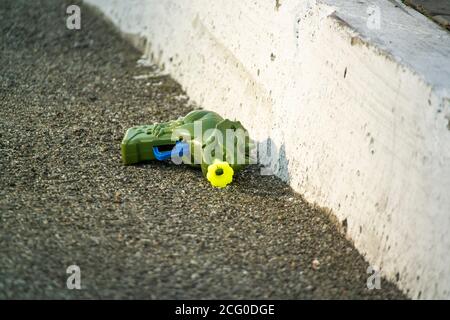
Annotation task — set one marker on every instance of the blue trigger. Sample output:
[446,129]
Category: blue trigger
[180,149]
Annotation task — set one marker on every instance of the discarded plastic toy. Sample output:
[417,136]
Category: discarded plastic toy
[202,138]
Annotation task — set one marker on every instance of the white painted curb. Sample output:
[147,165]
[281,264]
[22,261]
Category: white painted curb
[357,107]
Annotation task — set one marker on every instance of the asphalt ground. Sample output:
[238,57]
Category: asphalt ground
[149,231]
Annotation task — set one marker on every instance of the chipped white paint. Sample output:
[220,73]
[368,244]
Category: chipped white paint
[360,116]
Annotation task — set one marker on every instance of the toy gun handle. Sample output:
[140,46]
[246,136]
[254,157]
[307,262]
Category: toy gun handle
[180,149]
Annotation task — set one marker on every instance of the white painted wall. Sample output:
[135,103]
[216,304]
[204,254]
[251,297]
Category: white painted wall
[373,146]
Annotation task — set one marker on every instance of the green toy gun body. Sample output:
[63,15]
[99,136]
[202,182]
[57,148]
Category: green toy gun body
[201,138]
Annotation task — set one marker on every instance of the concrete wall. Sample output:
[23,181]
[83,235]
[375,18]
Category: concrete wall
[359,115]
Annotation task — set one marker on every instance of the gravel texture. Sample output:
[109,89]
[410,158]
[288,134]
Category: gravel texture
[438,10]
[148,231]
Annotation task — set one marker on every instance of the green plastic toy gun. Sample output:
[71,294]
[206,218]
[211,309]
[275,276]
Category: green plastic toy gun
[204,139]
